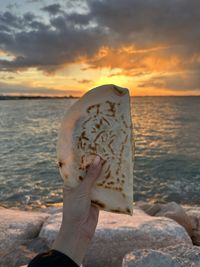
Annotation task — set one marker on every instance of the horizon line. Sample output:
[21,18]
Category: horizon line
[72,96]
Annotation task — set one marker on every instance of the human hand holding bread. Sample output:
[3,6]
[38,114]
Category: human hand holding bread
[80,217]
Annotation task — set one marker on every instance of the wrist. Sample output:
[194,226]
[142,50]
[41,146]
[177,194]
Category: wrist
[71,243]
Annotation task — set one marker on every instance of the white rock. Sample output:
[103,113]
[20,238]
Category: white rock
[193,213]
[181,255]
[17,226]
[170,210]
[118,234]
[23,253]
[51,227]
[149,258]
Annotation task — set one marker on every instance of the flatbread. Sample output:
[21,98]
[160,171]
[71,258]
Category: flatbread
[99,123]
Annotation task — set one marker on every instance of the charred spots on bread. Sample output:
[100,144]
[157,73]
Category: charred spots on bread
[119,91]
[124,121]
[101,183]
[94,130]
[98,203]
[98,135]
[97,125]
[107,172]
[87,167]
[111,109]
[107,187]
[103,118]
[82,140]
[107,169]
[92,147]
[60,163]
[112,136]
[90,107]
[120,154]
[108,175]
[96,107]
[85,122]
[80,178]
[124,132]
[104,162]
[118,189]
[83,135]
[111,183]
[109,145]
[82,159]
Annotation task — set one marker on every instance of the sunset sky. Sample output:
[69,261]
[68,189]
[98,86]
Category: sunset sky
[67,47]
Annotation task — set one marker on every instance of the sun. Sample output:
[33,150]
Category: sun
[109,77]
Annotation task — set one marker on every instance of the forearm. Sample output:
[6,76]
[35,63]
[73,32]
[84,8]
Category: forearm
[72,244]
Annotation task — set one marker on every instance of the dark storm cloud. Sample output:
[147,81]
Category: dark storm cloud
[10,22]
[114,23]
[52,9]
[164,20]
[49,49]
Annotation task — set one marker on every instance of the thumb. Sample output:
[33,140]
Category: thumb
[93,173]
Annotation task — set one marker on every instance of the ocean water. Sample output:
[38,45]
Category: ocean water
[167,150]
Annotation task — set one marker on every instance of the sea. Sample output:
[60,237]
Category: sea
[167,150]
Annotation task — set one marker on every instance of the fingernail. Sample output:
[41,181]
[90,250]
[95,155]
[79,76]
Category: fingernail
[96,161]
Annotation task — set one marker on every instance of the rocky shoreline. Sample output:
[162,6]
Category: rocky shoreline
[156,235]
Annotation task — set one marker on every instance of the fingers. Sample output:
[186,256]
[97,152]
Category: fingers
[93,173]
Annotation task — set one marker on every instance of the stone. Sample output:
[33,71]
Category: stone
[149,258]
[51,227]
[170,210]
[17,226]
[181,255]
[118,234]
[24,253]
[193,212]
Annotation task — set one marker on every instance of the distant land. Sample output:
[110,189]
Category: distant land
[22,97]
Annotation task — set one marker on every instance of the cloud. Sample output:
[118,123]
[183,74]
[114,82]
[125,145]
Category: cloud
[10,22]
[46,47]
[162,36]
[12,5]
[52,9]
[178,81]
[84,81]
[20,89]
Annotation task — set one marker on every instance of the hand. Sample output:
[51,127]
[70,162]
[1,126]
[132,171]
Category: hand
[80,217]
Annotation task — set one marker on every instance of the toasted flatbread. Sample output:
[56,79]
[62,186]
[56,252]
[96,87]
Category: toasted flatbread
[99,123]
